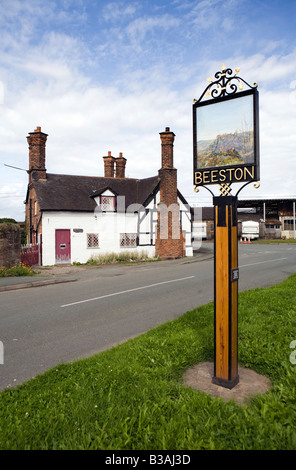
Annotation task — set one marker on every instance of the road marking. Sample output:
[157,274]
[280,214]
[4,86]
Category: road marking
[127,291]
[262,262]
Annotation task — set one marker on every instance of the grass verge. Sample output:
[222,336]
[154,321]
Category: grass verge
[125,257]
[131,397]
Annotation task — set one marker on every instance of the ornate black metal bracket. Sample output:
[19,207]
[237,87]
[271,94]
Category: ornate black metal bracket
[196,190]
[225,84]
[225,189]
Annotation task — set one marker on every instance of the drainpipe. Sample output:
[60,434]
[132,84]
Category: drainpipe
[30,221]
[294,219]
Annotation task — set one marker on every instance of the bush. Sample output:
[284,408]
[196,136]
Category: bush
[20,269]
[124,257]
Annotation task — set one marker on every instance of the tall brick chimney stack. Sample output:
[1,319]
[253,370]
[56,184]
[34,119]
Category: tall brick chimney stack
[169,242]
[37,143]
[167,173]
[120,166]
[109,163]
[167,148]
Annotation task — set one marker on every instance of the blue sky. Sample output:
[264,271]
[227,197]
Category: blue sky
[110,75]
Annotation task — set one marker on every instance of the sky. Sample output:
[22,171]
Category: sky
[101,76]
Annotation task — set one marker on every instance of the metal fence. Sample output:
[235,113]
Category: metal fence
[31,254]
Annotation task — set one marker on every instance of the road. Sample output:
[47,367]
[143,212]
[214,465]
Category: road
[42,327]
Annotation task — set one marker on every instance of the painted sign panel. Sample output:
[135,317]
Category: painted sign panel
[225,132]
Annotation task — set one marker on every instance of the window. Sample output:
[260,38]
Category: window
[272,226]
[288,224]
[108,203]
[92,240]
[128,240]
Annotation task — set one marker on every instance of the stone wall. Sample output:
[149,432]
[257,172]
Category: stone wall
[10,244]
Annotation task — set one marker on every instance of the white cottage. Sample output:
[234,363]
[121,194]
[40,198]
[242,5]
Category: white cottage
[76,217]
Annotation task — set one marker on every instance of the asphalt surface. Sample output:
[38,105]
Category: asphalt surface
[82,312]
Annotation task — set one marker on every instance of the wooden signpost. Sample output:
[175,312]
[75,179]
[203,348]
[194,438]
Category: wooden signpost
[226,151]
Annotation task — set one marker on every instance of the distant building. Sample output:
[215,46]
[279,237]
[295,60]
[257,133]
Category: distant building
[274,214]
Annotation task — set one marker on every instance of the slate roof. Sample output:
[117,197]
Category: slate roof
[75,193]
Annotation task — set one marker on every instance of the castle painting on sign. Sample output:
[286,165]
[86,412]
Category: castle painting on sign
[225,133]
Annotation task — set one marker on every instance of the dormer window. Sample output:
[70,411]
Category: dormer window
[108,203]
[106,200]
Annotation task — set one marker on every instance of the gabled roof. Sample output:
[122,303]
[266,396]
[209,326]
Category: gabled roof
[103,190]
[75,193]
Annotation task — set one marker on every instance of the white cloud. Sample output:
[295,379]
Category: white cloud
[85,121]
[140,27]
[210,14]
[114,11]
[94,93]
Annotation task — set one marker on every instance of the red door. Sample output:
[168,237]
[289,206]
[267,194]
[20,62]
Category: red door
[63,246]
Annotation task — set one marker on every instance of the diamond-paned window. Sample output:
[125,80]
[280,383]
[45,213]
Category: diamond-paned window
[128,240]
[92,240]
[108,203]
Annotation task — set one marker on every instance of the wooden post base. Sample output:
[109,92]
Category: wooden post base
[226,292]
[226,383]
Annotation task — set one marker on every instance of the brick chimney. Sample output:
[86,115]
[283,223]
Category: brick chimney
[37,143]
[120,166]
[169,242]
[109,163]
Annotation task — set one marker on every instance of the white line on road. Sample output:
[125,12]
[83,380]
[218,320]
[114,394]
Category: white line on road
[261,262]
[126,291]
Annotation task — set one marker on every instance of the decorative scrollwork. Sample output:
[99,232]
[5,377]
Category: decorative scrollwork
[196,189]
[225,84]
[225,189]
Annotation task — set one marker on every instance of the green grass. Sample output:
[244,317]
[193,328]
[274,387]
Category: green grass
[131,397]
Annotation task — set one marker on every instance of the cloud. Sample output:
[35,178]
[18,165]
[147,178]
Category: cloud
[113,78]
[115,11]
[12,197]
[140,27]
[213,14]
[84,121]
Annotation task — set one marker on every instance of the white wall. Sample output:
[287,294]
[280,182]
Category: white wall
[186,227]
[108,225]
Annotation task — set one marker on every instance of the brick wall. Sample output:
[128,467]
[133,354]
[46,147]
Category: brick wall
[37,142]
[10,244]
[33,216]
